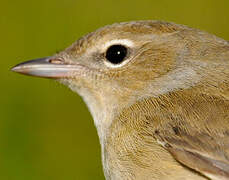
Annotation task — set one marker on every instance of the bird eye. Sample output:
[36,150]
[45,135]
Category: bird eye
[116,54]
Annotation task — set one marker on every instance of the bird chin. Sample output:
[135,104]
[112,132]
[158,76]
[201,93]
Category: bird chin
[76,85]
[70,83]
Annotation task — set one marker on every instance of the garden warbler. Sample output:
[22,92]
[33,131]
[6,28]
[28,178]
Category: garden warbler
[159,96]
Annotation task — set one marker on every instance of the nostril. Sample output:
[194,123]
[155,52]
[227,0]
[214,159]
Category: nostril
[56,61]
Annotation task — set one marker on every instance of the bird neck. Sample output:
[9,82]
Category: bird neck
[131,150]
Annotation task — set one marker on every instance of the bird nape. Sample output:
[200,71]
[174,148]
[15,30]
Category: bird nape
[158,93]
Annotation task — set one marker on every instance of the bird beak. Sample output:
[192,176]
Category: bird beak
[46,67]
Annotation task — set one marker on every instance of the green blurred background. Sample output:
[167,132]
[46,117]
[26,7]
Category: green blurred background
[46,131]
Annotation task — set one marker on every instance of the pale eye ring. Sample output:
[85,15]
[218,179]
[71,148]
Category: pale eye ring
[116,54]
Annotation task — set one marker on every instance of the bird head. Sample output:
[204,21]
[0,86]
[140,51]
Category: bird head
[118,65]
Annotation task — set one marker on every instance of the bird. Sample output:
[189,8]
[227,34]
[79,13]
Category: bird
[159,96]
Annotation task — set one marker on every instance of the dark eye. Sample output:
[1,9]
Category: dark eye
[116,54]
